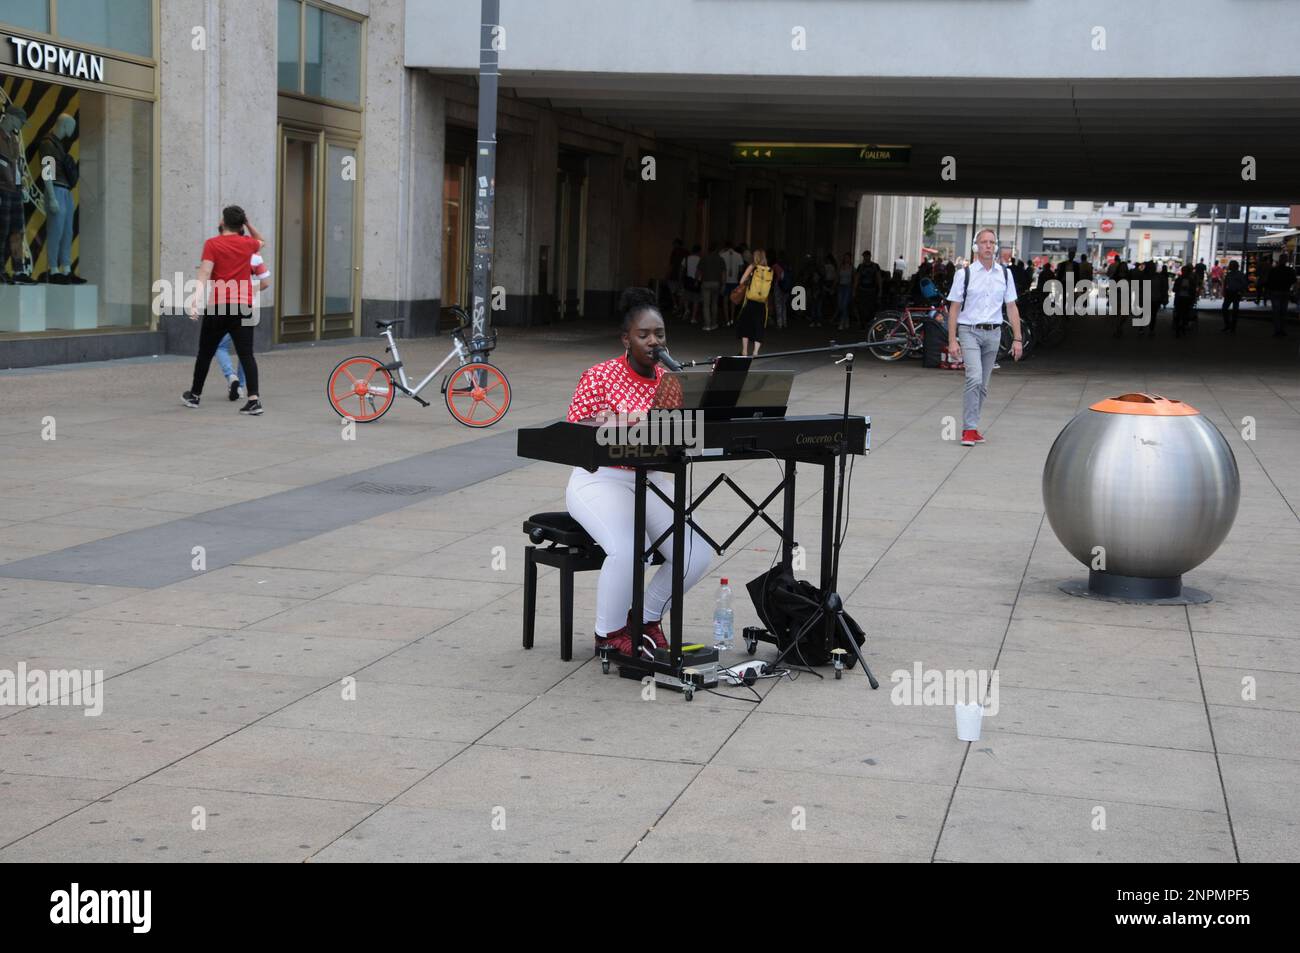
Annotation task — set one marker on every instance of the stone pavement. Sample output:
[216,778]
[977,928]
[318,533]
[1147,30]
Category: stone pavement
[224,705]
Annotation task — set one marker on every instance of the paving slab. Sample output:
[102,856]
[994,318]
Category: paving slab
[986,826]
[297,762]
[402,711]
[1106,771]
[796,815]
[63,742]
[99,643]
[547,806]
[149,823]
[32,801]
[356,621]
[285,653]
[1259,731]
[195,689]
[889,747]
[1102,716]
[666,729]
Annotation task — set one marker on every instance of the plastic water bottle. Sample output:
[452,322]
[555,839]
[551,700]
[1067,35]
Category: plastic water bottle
[723,618]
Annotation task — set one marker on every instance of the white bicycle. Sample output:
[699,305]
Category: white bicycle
[477,393]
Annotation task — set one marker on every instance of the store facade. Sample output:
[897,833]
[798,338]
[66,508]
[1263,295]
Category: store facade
[78,176]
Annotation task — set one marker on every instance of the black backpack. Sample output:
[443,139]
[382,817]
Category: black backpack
[786,606]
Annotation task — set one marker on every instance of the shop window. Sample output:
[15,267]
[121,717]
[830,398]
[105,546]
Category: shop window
[324,47]
[333,57]
[128,28]
[77,248]
[25,15]
[288,52]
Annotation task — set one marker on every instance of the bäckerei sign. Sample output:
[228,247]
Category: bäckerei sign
[33,54]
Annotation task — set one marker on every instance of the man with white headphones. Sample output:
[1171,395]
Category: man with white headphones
[976,300]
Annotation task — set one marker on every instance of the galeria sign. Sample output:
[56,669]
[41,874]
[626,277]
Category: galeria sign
[49,58]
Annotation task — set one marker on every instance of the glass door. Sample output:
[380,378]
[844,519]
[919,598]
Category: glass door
[455,219]
[295,272]
[339,272]
[316,274]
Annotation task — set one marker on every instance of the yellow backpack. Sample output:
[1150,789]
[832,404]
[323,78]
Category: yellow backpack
[760,284]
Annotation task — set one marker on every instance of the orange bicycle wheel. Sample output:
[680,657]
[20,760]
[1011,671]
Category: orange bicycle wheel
[477,394]
[361,389]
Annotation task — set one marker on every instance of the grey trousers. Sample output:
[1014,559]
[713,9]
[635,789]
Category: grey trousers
[979,351]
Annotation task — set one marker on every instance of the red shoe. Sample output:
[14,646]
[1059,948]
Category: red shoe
[621,642]
[979,437]
[653,630]
[970,437]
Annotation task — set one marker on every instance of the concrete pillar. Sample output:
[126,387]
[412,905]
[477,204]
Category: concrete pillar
[216,149]
[511,261]
[421,252]
[604,172]
[386,189]
[540,306]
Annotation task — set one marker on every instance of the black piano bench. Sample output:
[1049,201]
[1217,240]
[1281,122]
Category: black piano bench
[569,550]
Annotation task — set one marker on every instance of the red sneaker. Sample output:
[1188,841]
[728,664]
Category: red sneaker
[621,642]
[653,630]
[979,437]
[970,437]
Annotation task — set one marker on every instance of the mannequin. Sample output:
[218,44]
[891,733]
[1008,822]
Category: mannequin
[59,207]
[13,222]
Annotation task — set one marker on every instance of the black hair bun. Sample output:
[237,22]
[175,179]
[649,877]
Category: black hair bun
[636,299]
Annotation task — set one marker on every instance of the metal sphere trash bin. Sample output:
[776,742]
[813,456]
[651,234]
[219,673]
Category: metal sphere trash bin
[1140,489]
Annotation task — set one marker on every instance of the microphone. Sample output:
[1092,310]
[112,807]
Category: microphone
[664,358]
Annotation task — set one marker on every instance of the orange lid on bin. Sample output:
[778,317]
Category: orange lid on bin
[1150,405]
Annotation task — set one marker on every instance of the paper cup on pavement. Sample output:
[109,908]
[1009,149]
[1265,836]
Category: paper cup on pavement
[969,717]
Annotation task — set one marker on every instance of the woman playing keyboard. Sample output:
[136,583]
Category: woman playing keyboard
[603,502]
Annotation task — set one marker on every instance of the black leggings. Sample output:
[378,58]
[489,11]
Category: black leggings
[1231,309]
[215,327]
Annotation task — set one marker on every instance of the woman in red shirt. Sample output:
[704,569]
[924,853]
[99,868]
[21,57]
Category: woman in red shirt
[225,262]
[603,502]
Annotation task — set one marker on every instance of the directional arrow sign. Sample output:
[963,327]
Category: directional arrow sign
[841,154]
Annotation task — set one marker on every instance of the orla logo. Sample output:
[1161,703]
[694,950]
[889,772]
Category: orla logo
[945,687]
[652,433]
[74,906]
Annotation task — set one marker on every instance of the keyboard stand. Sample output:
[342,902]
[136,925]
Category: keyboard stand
[677,666]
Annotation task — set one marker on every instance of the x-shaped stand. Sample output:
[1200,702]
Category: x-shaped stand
[756,510]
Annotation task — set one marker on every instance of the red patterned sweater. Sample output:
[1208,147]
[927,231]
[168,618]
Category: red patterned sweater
[614,387]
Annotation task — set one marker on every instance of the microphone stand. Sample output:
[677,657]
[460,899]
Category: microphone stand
[832,348]
[830,612]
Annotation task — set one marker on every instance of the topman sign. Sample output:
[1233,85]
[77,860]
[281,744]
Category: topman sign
[49,58]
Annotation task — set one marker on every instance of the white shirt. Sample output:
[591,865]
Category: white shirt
[987,293]
[692,266]
[900,264]
[733,261]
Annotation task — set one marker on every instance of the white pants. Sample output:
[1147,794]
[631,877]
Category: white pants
[604,503]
